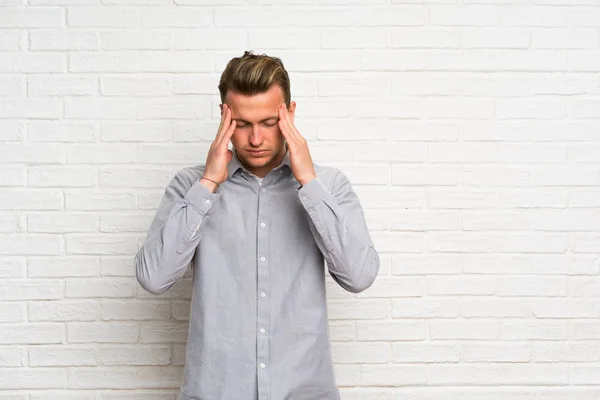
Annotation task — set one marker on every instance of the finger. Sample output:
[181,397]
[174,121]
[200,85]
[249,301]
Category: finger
[228,134]
[223,112]
[284,128]
[288,119]
[225,127]
[295,131]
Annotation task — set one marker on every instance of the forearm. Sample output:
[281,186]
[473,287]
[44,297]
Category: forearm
[173,237]
[339,229]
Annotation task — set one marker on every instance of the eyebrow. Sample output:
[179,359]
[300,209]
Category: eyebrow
[263,120]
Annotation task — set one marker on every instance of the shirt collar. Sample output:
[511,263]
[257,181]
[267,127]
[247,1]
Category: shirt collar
[236,164]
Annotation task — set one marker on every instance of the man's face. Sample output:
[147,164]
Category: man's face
[257,137]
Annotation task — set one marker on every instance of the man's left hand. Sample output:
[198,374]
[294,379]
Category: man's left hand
[302,165]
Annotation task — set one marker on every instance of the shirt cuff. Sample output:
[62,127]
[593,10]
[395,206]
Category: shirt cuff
[313,192]
[200,197]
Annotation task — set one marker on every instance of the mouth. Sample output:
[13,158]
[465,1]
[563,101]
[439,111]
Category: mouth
[257,153]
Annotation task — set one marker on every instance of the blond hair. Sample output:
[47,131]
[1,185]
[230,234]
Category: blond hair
[252,74]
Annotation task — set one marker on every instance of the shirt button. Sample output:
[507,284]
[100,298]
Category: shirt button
[262,365]
[263,225]
[262,259]
[262,330]
[264,190]
[207,201]
[305,198]
[263,294]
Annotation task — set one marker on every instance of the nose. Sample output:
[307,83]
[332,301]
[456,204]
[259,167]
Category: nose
[255,136]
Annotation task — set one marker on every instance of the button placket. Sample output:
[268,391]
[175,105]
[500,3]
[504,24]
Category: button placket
[262,320]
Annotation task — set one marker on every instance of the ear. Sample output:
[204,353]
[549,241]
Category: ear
[292,110]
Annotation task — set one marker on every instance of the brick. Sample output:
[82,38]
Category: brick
[102,332]
[45,131]
[122,86]
[11,357]
[410,131]
[102,153]
[393,375]
[175,61]
[531,16]
[321,61]
[62,267]
[32,199]
[59,311]
[33,378]
[405,109]
[37,62]
[354,130]
[60,85]
[103,17]
[485,38]
[425,353]
[363,353]
[482,329]
[103,287]
[138,355]
[62,176]
[14,17]
[405,15]
[358,38]
[407,242]
[442,307]
[117,266]
[10,40]
[12,267]
[424,37]
[31,244]
[11,86]
[489,373]
[12,312]
[125,223]
[61,223]
[99,201]
[420,175]
[104,62]
[147,131]
[175,17]
[124,378]
[31,108]
[509,353]
[464,15]
[46,39]
[533,329]
[128,310]
[135,177]
[406,330]
[63,356]
[99,108]
[42,333]
[492,307]
[155,39]
[282,39]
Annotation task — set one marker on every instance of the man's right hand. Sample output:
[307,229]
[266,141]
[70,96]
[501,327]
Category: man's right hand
[219,155]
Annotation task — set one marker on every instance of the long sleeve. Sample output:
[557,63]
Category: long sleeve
[173,235]
[338,225]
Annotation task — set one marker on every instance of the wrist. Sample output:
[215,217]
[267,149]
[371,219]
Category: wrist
[305,181]
[209,184]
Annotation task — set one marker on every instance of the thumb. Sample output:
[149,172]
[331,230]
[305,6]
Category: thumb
[229,155]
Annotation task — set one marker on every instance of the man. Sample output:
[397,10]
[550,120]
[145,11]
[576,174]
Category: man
[257,223]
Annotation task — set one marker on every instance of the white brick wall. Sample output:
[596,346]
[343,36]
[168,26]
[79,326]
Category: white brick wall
[470,129]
